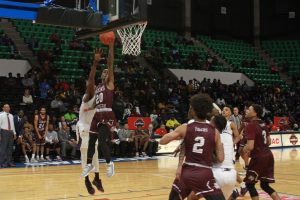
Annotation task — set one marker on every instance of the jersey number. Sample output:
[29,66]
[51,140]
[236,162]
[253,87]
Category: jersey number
[197,148]
[99,98]
[264,134]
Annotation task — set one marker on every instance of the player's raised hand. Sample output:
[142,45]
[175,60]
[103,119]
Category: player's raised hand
[98,55]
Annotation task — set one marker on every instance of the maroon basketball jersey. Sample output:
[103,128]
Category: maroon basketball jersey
[256,130]
[42,121]
[104,96]
[199,143]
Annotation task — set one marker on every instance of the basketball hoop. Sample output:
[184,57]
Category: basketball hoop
[131,38]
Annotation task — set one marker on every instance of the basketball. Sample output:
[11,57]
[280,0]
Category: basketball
[106,38]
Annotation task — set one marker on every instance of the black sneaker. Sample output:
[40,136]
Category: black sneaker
[89,187]
[98,184]
[235,194]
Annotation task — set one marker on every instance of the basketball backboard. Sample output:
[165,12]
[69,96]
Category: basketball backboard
[121,14]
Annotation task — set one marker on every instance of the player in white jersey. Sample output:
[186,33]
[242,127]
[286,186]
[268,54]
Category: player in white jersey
[225,173]
[86,114]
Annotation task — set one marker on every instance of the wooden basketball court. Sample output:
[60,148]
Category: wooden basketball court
[149,180]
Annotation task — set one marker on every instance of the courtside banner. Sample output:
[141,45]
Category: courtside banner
[133,122]
[290,139]
[276,140]
[279,121]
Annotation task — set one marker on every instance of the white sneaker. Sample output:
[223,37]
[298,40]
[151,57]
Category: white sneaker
[58,157]
[110,169]
[33,160]
[137,154]
[144,154]
[87,169]
[38,159]
[48,158]
[27,160]
[42,159]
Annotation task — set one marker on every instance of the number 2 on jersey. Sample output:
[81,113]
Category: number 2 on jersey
[99,98]
[197,148]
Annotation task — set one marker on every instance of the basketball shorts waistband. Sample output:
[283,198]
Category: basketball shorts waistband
[103,109]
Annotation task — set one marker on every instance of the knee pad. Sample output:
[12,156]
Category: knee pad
[265,186]
[252,190]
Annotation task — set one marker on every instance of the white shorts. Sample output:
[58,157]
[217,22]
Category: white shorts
[226,179]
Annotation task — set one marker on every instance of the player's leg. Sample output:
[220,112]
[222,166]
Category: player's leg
[145,142]
[174,195]
[57,149]
[97,181]
[252,191]
[37,151]
[104,140]
[33,160]
[93,137]
[24,152]
[266,187]
[87,182]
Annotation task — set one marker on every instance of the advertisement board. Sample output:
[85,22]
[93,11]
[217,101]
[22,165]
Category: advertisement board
[276,140]
[290,139]
[133,122]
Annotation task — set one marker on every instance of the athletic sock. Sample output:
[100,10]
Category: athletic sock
[243,185]
[97,175]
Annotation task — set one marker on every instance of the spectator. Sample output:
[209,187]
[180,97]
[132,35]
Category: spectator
[27,81]
[161,130]
[153,144]
[236,117]
[71,119]
[141,140]
[52,142]
[172,123]
[126,141]
[8,134]
[27,98]
[66,142]
[221,101]
[54,38]
[58,105]
[19,127]
[44,87]
[11,81]
[28,145]
[27,124]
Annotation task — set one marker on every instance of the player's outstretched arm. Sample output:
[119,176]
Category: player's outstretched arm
[110,65]
[219,147]
[90,85]
[178,133]
[235,131]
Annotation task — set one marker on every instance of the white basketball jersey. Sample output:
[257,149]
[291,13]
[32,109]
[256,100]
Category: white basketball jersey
[227,140]
[86,114]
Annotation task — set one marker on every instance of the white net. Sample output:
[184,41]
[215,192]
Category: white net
[131,38]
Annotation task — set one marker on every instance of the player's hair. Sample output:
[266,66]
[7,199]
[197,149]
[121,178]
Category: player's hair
[43,107]
[230,108]
[258,109]
[247,104]
[201,104]
[220,122]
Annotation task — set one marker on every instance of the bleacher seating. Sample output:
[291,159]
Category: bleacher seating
[235,52]
[285,52]
[5,51]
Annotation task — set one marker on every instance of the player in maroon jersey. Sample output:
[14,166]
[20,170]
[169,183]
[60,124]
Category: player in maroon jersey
[41,122]
[261,166]
[201,141]
[104,119]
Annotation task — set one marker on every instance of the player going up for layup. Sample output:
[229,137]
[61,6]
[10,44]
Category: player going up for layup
[104,119]
[86,113]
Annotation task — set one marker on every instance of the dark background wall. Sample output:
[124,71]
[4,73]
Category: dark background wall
[166,14]
[275,20]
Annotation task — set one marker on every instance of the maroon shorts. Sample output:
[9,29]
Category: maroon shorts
[40,141]
[107,118]
[197,179]
[261,168]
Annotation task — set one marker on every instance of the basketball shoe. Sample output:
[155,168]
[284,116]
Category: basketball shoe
[98,184]
[87,169]
[110,169]
[89,187]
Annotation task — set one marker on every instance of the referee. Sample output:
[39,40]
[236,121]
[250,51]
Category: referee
[7,136]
